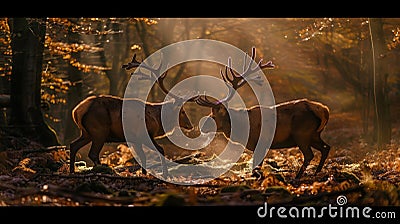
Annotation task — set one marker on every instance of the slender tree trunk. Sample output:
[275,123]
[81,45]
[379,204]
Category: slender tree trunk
[365,91]
[141,29]
[27,46]
[382,105]
[119,47]
[75,94]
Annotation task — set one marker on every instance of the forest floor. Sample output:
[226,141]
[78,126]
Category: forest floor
[31,175]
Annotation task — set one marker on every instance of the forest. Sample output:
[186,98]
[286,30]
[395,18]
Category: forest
[49,66]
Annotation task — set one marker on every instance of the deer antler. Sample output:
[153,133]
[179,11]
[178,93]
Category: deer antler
[153,72]
[153,75]
[133,64]
[235,81]
[239,80]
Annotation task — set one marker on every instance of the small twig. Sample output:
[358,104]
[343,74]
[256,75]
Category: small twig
[100,175]
[189,159]
[48,149]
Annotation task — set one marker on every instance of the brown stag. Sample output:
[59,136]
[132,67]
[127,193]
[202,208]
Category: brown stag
[299,123]
[99,119]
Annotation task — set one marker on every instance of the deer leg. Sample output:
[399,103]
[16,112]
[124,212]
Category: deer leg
[258,160]
[324,148]
[162,157]
[308,156]
[139,151]
[94,152]
[73,149]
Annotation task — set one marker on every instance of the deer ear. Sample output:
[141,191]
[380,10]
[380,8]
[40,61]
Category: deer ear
[222,110]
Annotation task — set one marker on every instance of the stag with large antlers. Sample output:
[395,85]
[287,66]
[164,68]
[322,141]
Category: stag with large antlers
[99,119]
[299,123]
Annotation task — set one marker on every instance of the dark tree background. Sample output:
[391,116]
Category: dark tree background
[27,42]
[48,65]
[382,121]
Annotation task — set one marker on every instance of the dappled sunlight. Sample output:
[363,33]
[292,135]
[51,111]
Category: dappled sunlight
[332,61]
[355,173]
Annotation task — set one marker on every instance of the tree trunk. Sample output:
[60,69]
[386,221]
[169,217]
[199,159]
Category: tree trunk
[142,31]
[27,42]
[119,47]
[365,77]
[75,94]
[382,122]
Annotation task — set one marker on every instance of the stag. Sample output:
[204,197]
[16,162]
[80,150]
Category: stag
[99,119]
[299,123]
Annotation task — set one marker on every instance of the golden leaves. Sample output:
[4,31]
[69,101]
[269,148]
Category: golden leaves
[62,48]
[88,68]
[148,21]
[83,25]
[23,165]
[5,48]
[136,47]
[395,40]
